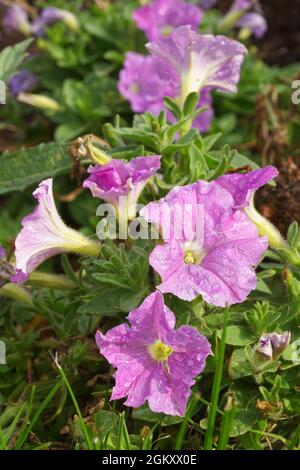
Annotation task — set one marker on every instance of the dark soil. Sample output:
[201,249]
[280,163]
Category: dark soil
[281,45]
[281,204]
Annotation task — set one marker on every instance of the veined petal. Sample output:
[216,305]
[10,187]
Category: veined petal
[243,186]
[44,234]
[118,178]
[164,380]
[161,17]
[201,60]
[220,264]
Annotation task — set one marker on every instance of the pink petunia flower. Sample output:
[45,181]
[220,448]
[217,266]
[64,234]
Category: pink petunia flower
[44,234]
[201,60]
[215,259]
[207,4]
[242,187]
[255,23]
[117,178]
[161,17]
[241,16]
[146,80]
[154,361]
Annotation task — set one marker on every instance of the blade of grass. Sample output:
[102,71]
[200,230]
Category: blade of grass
[27,417]
[182,430]
[147,445]
[226,426]
[216,387]
[123,435]
[26,431]
[14,424]
[3,445]
[294,442]
[75,403]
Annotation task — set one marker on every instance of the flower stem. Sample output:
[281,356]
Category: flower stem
[80,417]
[216,386]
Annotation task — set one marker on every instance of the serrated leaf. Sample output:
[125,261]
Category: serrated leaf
[210,141]
[27,166]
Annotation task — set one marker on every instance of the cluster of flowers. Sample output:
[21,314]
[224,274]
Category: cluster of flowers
[171,26]
[220,266]
[16,18]
[154,361]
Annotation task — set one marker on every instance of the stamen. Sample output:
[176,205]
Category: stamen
[159,351]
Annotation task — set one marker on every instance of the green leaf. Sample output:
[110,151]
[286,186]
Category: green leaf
[70,129]
[105,303]
[239,365]
[244,396]
[210,141]
[172,106]
[11,57]
[190,103]
[238,335]
[293,234]
[28,166]
[105,421]
[240,160]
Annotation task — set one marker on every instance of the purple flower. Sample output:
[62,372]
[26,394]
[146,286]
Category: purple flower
[207,4]
[203,121]
[243,186]
[272,345]
[239,5]
[210,249]
[22,81]
[117,178]
[44,234]
[51,15]
[242,189]
[144,81]
[161,17]
[16,19]
[201,60]
[2,252]
[239,16]
[154,361]
[255,23]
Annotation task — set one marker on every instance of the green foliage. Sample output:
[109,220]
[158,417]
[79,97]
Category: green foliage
[55,387]
[11,57]
[27,166]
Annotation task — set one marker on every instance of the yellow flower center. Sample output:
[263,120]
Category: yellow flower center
[166,30]
[189,257]
[193,256]
[159,351]
[134,88]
